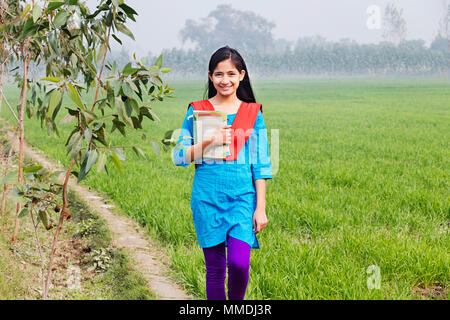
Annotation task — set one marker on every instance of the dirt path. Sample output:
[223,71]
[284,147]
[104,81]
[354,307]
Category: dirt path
[127,234]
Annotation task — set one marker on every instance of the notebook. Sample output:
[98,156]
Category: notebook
[205,124]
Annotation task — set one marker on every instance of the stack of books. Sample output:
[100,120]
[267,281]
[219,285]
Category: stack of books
[205,124]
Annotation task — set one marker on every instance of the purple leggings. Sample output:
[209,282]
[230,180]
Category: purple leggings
[238,263]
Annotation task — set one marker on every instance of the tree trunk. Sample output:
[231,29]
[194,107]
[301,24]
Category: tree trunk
[7,162]
[21,139]
[62,215]
[1,85]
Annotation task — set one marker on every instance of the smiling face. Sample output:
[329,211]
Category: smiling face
[226,78]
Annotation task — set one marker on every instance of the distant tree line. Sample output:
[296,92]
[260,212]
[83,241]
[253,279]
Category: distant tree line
[321,57]
[265,56]
[252,36]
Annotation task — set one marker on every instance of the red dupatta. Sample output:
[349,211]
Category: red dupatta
[242,126]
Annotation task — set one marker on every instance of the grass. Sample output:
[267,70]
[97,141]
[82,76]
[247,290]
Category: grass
[12,275]
[363,179]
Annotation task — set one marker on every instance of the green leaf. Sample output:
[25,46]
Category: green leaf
[32,169]
[51,79]
[101,162]
[149,113]
[166,70]
[43,217]
[23,213]
[119,125]
[128,70]
[60,19]
[76,148]
[55,99]
[127,89]
[133,86]
[8,177]
[157,80]
[37,11]
[74,145]
[128,107]
[117,39]
[116,85]
[29,28]
[136,123]
[117,162]
[159,61]
[101,52]
[53,39]
[93,155]
[134,105]
[26,10]
[124,30]
[114,67]
[130,12]
[88,135]
[109,19]
[89,114]
[74,60]
[54,5]
[100,136]
[119,153]
[87,164]
[73,94]
[139,152]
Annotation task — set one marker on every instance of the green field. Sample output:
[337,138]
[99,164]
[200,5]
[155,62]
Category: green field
[363,179]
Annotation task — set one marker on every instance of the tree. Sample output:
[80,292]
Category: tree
[394,24]
[444,25]
[15,35]
[3,51]
[243,30]
[73,43]
[440,43]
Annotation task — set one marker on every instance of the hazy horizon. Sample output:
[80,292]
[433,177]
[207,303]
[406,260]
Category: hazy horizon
[161,21]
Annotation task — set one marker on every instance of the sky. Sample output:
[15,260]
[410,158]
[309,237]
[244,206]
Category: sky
[158,24]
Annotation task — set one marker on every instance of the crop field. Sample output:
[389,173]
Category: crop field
[359,207]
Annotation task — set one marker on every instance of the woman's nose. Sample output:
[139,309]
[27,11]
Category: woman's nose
[225,80]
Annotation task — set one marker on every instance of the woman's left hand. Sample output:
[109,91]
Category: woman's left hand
[259,220]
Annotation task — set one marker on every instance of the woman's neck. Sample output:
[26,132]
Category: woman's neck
[228,102]
[229,105]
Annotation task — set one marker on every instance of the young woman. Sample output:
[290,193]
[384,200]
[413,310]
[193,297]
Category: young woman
[228,196]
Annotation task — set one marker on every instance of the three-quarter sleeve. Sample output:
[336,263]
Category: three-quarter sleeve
[259,150]
[185,140]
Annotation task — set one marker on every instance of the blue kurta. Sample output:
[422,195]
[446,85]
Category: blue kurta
[223,197]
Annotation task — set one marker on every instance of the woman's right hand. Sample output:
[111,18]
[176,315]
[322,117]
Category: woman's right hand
[222,136]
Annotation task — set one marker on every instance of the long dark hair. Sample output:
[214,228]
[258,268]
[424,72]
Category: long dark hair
[244,91]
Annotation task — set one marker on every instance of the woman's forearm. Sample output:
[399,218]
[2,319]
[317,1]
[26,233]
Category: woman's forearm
[195,152]
[260,185]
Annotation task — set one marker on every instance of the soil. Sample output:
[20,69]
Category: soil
[150,259]
[435,292]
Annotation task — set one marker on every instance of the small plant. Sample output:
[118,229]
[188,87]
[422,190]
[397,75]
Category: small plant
[85,228]
[102,260]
